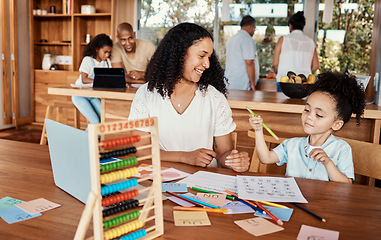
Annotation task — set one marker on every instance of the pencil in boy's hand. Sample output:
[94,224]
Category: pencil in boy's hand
[308,211]
[263,124]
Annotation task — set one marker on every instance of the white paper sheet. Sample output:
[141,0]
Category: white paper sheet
[272,189]
[86,85]
[211,181]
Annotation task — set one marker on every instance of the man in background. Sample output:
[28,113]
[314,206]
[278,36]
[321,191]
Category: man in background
[242,67]
[131,54]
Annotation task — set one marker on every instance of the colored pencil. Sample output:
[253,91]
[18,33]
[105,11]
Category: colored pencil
[263,124]
[198,201]
[207,191]
[277,220]
[175,195]
[272,204]
[201,209]
[308,211]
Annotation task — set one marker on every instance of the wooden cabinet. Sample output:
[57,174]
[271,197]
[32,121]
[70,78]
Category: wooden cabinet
[63,33]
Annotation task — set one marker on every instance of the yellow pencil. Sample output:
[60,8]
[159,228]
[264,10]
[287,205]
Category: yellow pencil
[263,124]
[219,210]
[272,204]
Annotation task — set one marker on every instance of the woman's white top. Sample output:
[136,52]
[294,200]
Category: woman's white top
[87,66]
[207,116]
[296,54]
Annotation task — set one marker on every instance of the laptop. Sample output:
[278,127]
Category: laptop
[69,155]
[109,78]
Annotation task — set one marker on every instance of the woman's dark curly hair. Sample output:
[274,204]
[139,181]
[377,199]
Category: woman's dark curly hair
[95,44]
[345,91]
[165,68]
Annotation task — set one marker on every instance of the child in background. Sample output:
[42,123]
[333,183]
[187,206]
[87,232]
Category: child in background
[96,54]
[320,155]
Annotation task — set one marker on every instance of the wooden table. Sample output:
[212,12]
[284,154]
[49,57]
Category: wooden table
[25,174]
[280,113]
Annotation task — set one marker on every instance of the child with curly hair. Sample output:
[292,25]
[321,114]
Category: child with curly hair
[320,155]
[96,54]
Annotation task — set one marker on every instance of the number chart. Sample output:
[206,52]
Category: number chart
[111,205]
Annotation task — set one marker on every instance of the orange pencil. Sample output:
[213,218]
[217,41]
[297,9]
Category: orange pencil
[277,220]
[219,210]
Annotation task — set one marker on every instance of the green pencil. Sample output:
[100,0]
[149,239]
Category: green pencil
[207,191]
[263,124]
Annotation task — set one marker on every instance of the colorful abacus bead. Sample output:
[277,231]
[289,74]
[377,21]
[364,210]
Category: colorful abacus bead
[118,186]
[119,198]
[119,164]
[121,219]
[117,153]
[120,141]
[135,235]
[132,203]
[121,230]
[111,177]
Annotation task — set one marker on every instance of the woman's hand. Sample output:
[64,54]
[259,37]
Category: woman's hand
[238,161]
[200,157]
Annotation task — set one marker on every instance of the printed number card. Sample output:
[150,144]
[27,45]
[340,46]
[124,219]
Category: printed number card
[272,189]
[15,214]
[283,214]
[37,205]
[185,218]
[308,232]
[174,187]
[214,199]
[236,207]
[8,202]
[258,226]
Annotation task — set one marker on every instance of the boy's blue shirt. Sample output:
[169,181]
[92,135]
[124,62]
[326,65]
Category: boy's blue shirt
[294,152]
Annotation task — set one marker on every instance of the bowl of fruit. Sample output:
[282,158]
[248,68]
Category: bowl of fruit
[297,86]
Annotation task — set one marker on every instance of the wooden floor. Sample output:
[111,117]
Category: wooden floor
[13,130]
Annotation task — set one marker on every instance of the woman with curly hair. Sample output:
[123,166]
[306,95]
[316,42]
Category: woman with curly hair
[186,90]
[320,155]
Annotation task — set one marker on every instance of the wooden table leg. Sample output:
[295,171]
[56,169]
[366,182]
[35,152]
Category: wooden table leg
[103,110]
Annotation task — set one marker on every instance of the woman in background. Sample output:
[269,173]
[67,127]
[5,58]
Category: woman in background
[295,52]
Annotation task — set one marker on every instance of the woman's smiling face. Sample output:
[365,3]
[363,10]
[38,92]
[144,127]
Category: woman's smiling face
[196,61]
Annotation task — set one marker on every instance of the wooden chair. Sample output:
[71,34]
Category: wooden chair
[234,139]
[256,165]
[59,106]
[366,159]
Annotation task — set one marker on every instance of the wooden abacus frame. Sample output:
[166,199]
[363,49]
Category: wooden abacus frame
[94,202]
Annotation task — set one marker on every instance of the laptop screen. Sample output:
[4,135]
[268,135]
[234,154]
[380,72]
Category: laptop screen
[69,155]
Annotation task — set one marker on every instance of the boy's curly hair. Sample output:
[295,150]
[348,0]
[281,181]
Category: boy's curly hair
[165,68]
[348,95]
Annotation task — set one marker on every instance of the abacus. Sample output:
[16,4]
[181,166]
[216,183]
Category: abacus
[110,205]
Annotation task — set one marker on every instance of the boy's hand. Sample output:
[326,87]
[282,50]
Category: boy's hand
[256,123]
[320,155]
